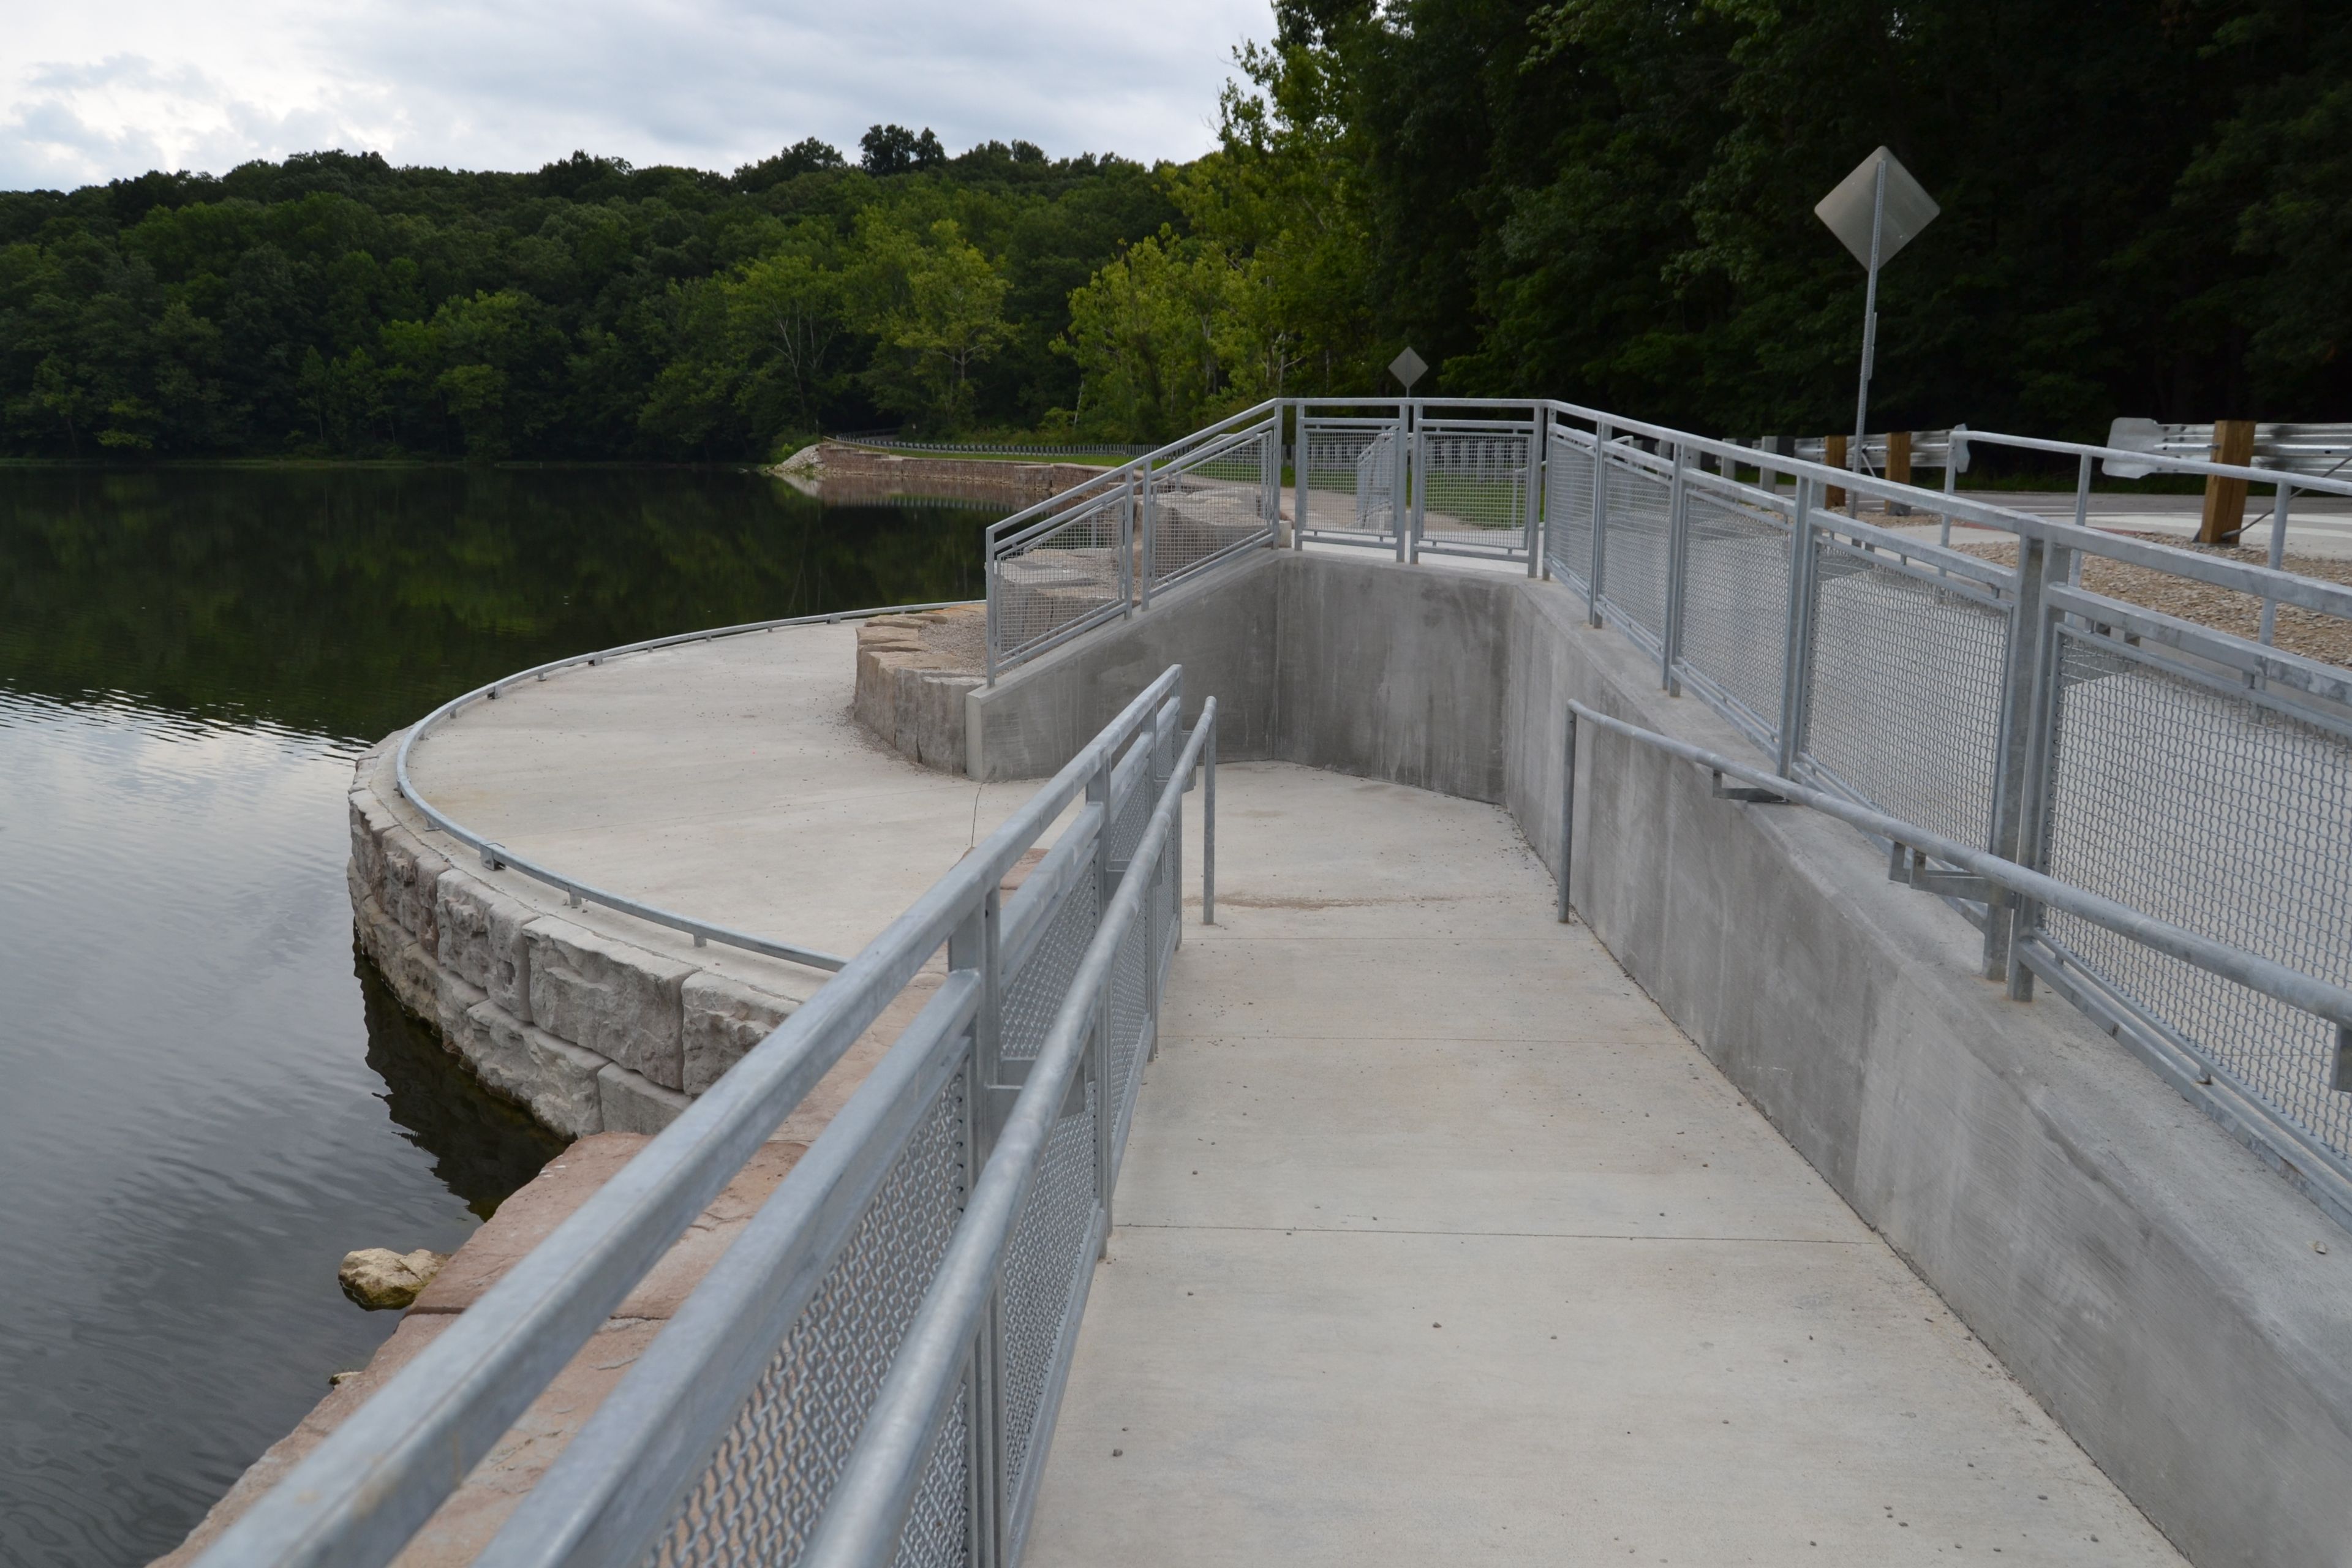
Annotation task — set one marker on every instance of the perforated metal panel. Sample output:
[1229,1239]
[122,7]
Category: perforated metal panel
[1906,693]
[2216,812]
[1736,603]
[1034,995]
[760,1498]
[1041,1277]
[1633,548]
[938,1533]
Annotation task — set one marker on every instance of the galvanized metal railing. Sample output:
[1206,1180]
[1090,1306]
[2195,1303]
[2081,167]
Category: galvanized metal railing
[1101,551]
[576,892]
[914,1285]
[2203,778]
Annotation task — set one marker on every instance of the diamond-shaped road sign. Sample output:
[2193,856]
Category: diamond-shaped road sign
[1407,367]
[1847,209]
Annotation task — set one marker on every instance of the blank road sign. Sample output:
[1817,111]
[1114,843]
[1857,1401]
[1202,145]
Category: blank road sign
[1909,208]
[1407,368]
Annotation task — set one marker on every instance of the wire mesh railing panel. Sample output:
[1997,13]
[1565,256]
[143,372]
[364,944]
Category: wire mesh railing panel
[759,1500]
[1633,542]
[1475,488]
[1033,994]
[1063,577]
[1203,506]
[1736,602]
[2219,814]
[1568,510]
[1129,1011]
[1348,473]
[1042,1274]
[938,1532]
[1906,693]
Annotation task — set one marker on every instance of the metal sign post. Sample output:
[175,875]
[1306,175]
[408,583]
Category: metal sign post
[1874,212]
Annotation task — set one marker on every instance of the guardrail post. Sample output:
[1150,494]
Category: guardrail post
[2225,499]
[2029,725]
[1797,653]
[1600,522]
[1566,811]
[1146,562]
[1670,640]
[1301,456]
[1538,461]
[1416,475]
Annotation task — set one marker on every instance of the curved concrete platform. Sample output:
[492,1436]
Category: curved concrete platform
[1435,1233]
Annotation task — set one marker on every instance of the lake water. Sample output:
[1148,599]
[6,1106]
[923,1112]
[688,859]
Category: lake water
[205,1098]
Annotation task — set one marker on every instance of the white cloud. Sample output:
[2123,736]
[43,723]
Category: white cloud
[117,87]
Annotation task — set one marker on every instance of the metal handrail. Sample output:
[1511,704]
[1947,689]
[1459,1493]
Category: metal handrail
[1180,447]
[2305,991]
[869,1505]
[498,856]
[358,1497]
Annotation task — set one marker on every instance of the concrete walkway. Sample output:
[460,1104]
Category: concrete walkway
[1437,1241]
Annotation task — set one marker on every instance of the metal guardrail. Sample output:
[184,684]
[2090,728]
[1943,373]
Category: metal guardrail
[1998,884]
[1101,549]
[576,892]
[875,1364]
[2203,778]
[2314,451]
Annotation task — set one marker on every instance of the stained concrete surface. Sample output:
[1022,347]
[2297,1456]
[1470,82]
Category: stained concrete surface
[1436,1239]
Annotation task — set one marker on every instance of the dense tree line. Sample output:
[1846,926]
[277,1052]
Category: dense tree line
[334,304]
[2147,210]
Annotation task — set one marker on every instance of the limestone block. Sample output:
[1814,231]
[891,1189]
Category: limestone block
[721,1019]
[411,975]
[410,875]
[566,1096]
[481,937]
[494,1045]
[380,935]
[616,1000]
[633,1104]
[453,1000]
[370,822]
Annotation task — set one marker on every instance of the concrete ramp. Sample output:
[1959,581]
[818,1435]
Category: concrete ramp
[1437,1241]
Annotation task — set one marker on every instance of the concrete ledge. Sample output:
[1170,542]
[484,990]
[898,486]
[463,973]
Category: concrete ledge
[552,1008]
[2142,1273]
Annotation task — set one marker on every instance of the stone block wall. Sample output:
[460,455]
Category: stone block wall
[587,1030]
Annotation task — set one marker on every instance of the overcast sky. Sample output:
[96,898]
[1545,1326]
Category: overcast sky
[95,90]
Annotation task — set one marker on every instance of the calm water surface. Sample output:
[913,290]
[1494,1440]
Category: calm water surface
[205,1101]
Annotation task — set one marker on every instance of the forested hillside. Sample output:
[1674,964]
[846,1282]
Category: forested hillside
[2147,209]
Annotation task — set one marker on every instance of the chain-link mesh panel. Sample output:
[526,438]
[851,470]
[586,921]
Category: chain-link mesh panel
[1633,548]
[1040,1277]
[1906,693]
[1062,577]
[1475,488]
[1134,815]
[938,1533]
[1171,897]
[1033,994]
[1128,1006]
[2223,815]
[1736,602]
[1568,510]
[760,1498]
[1203,506]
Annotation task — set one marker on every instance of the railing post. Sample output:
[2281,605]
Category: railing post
[1955,444]
[1797,656]
[1670,641]
[1298,464]
[2030,727]
[2277,556]
[974,946]
[1208,829]
[1416,476]
[1567,812]
[1600,522]
[1269,470]
[1127,549]
[990,578]
[1146,562]
[1538,468]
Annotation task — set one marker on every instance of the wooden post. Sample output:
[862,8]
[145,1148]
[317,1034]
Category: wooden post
[2225,500]
[1898,456]
[1833,456]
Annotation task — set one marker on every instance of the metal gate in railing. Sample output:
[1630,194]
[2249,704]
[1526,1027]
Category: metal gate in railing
[1475,480]
[1347,474]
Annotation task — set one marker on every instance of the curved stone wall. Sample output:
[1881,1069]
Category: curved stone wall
[555,1008]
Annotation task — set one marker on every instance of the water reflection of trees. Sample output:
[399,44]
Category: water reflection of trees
[346,599]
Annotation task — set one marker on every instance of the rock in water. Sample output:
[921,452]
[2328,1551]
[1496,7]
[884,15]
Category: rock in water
[378,1278]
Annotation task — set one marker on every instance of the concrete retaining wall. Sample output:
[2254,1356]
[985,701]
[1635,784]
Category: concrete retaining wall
[2137,1269]
[589,1031]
